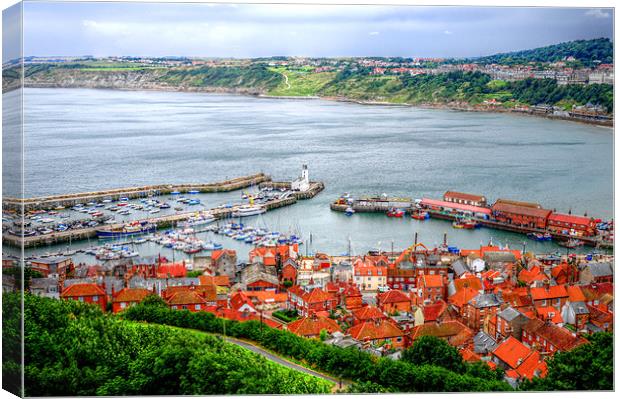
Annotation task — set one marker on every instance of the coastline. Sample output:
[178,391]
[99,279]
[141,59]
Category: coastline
[259,94]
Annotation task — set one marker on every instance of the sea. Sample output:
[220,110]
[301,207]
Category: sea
[79,140]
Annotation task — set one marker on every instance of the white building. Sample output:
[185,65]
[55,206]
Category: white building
[302,183]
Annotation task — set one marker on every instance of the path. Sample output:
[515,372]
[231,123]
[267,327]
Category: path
[288,86]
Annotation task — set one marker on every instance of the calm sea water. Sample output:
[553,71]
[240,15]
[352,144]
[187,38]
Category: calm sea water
[80,139]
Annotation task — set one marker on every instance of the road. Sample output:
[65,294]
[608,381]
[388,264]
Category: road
[282,361]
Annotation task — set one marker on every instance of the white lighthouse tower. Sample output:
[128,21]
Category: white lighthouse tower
[302,183]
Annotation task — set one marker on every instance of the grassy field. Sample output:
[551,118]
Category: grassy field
[300,82]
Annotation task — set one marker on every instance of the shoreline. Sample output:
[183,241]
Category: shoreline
[260,95]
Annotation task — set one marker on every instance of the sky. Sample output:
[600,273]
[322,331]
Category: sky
[224,30]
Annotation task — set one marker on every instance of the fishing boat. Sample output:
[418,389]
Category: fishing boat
[395,213]
[248,210]
[193,202]
[212,246]
[175,192]
[349,211]
[127,230]
[164,205]
[156,210]
[193,191]
[420,215]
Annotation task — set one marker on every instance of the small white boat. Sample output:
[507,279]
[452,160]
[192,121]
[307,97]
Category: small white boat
[248,210]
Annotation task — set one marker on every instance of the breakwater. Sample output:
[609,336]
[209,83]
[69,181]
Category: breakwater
[67,200]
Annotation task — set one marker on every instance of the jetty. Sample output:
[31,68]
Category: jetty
[68,200]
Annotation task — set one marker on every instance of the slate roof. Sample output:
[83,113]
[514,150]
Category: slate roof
[509,314]
[486,300]
[459,267]
[483,343]
[600,269]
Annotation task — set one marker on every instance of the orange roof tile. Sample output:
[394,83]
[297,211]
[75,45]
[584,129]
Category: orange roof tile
[186,298]
[455,332]
[528,276]
[370,330]
[131,295]
[532,366]
[312,326]
[549,313]
[471,282]
[368,313]
[556,291]
[512,352]
[220,281]
[462,296]
[469,356]
[575,294]
[432,280]
[393,296]
[82,289]
[434,311]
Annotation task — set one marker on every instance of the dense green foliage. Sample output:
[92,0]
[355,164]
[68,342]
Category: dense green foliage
[11,344]
[255,77]
[73,348]
[585,51]
[434,351]
[589,367]
[367,371]
[547,91]
[286,315]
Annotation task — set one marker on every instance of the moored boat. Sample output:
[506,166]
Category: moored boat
[248,210]
[395,213]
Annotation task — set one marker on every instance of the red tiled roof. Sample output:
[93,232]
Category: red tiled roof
[434,311]
[471,282]
[209,292]
[370,330]
[597,290]
[220,281]
[532,366]
[465,196]
[556,291]
[573,219]
[461,207]
[528,276]
[559,337]
[469,356]
[131,295]
[393,296]
[312,326]
[215,255]
[171,270]
[462,296]
[455,332]
[510,351]
[521,210]
[575,294]
[186,298]
[238,299]
[317,295]
[434,281]
[82,289]
[368,313]
[544,313]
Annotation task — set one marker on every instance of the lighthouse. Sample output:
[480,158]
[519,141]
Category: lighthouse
[302,183]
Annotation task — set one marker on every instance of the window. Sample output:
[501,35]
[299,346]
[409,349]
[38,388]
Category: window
[399,339]
[81,299]
[123,305]
[95,298]
[197,307]
[174,307]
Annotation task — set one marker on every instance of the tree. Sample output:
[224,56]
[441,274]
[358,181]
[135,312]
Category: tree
[323,335]
[588,367]
[430,350]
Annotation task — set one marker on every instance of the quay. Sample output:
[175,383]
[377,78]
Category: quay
[68,200]
[514,216]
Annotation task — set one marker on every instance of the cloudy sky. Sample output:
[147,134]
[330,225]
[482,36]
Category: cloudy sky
[223,30]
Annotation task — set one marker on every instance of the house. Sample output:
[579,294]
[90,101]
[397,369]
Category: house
[599,320]
[565,273]
[379,332]
[461,297]
[596,272]
[394,301]
[484,343]
[464,198]
[369,278]
[549,295]
[259,277]
[128,297]
[224,263]
[187,299]
[550,314]
[307,303]
[509,322]
[401,279]
[497,260]
[478,308]
[548,338]
[347,294]
[288,275]
[512,355]
[45,287]
[455,332]
[57,265]
[311,326]
[431,288]
[367,313]
[571,225]
[86,292]
[171,270]
[239,301]
[518,214]
[436,312]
